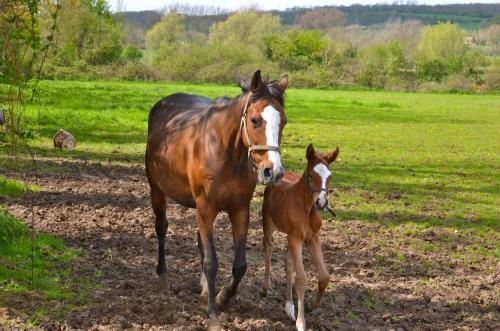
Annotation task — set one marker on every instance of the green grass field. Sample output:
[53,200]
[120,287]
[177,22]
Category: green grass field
[407,159]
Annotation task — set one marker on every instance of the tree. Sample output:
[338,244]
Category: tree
[297,50]
[169,30]
[321,18]
[440,51]
[86,34]
[443,42]
[380,62]
[247,29]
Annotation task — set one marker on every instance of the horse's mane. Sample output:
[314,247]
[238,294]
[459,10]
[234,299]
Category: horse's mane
[267,90]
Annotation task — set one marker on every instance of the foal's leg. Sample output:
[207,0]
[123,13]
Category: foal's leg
[159,203]
[295,248]
[205,220]
[323,276]
[289,270]
[239,222]
[269,228]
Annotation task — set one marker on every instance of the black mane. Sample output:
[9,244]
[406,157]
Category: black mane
[267,90]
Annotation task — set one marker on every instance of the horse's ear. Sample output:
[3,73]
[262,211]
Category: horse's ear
[330,157]
[310,153]
[284,83]
[243,83]
[256,81]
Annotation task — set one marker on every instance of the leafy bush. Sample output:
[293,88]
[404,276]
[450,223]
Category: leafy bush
[131,53]
[297,50]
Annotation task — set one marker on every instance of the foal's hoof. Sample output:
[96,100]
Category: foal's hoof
[213,324]
[203,299]
[263,292]
[223,299]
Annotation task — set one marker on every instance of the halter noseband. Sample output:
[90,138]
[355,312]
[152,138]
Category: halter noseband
[252,147]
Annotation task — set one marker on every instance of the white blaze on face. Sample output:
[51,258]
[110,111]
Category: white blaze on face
[324,173]
[273,121]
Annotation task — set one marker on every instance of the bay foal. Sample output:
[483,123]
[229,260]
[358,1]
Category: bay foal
[292,206]
[209,154]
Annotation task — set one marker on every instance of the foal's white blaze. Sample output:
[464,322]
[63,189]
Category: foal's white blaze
[290,310]
[324,173]
[273,121]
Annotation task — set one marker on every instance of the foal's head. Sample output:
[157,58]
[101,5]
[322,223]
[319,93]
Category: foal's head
[318,175]
[265,119]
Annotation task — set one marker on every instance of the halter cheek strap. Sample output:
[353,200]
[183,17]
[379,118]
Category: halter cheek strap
[244,128]
[313,189]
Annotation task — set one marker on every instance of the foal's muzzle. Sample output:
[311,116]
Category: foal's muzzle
[321,202]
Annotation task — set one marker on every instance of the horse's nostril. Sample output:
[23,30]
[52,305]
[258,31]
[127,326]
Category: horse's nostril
[268,173]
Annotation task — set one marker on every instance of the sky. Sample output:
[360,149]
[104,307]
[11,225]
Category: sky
[136,5]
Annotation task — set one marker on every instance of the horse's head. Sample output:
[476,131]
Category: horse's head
[262,125]
[318,175]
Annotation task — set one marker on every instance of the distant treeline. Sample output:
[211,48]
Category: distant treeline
[468,16]
[318,47]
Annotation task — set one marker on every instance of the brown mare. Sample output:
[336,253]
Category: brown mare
[292,207]
[209,154]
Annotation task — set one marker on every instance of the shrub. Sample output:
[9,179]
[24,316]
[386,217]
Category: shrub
[431,71]
[131,53]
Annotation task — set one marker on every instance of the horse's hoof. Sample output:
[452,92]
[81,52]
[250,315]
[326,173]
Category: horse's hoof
[223,299]
[214,324]
[163,283]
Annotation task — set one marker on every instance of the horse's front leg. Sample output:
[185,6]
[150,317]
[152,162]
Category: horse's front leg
[205,219]
[239,222]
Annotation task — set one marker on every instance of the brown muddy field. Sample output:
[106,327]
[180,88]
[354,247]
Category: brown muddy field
[103,210]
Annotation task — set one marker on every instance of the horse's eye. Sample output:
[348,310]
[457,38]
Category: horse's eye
[255,121]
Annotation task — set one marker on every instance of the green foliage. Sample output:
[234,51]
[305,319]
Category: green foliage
[248,30]
[86,33]
[168,31]
[297,50]
[131,53]
[433,70]
[380,62]
[443,41]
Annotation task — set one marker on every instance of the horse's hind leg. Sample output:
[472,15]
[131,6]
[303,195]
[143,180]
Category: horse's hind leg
[159,203]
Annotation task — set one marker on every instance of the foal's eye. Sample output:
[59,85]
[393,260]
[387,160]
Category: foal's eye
[255,121]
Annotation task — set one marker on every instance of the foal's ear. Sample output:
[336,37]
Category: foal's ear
[330,157]
[310,153]
[284,83]
[256,81]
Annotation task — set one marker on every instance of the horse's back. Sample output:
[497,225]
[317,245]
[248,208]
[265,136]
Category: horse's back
[174,105]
